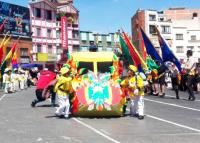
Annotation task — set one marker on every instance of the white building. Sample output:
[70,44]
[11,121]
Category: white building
[186,35]
[179,26]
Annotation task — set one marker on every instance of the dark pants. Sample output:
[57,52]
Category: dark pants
[190,82]
[38,93]
[39,97]
[175,85]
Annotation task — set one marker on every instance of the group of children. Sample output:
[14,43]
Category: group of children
[15,80]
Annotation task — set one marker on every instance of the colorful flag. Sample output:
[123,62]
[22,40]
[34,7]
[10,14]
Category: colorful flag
[14,58]
[138,60]
[125,50]
[167,54]
[144,52]
[150,48]
[7,61]
[3,45]
[151,63]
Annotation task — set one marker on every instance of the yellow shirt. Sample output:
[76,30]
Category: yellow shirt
[63,86]
[133,83]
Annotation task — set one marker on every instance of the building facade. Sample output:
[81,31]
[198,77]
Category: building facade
[104,42]
[55,27]
[17,25]
[174,25]
[148,20]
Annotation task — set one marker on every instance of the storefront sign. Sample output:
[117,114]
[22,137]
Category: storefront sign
[44,57]
[64,32]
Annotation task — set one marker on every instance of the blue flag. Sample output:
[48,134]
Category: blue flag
[150,48]
[167,54]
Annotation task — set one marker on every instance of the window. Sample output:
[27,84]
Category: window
[104,66]
[109,44]
[38,12]
[48,15]
[152,17]
[39,49]
[50,49]
[87,65]
[23,51]
[57,34]
[195,14]
[166,29]
[198,50]
[193,37]
[190,48]
[179,36]
[84,42]
[75,34]
[38,31]
[84,48]
[49,33]
[152,29]
[179,49]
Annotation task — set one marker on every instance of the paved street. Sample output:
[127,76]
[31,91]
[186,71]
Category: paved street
[167,120]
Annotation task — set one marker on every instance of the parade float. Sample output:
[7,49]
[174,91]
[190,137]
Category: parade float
[96,93]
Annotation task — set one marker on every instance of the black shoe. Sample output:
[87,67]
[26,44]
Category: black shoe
[155,94]
[33,104]
[135,115]
[141,117]
[162,95]
[193,99]
[177,97]
[53,105]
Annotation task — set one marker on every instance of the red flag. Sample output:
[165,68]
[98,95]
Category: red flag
[134,56]
[138,61]
[14,58]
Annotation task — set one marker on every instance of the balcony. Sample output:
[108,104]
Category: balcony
[193,41]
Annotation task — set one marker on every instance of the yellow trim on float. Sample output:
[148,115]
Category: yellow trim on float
[93,56]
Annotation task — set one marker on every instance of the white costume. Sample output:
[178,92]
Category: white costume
[15,80]
[21,79]
[7,81]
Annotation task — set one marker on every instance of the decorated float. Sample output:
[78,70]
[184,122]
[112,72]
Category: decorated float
[97,92]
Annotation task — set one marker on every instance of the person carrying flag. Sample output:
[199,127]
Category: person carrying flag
[190,66]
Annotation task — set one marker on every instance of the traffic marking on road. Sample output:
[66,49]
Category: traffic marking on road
[2,97]
[96,131]
[165,103]
[173,123]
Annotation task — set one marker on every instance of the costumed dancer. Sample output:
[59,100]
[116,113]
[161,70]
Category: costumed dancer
[21,79]
[161,80]
[15,80]
[155,85]
[44,89]
[135,84]
[176,79]
[7,81]
[26,77]
[63,88]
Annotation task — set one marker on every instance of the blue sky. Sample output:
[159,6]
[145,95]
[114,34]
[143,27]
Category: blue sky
[110,15]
